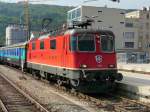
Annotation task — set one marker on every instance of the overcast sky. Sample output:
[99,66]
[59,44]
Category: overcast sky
[125,4]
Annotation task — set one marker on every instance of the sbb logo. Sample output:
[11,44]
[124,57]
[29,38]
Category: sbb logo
[98,58]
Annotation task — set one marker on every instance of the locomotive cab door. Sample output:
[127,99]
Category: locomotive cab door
[65,54]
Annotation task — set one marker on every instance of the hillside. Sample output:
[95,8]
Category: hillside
[13,13]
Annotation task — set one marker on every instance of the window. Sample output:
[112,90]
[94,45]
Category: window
[33,46]
[100,11]
[129,44]
[147,16]
[78,12]
[129,35]
[69,16]
[21,51]
[73,14]
[73,43]
[122,13]
[129,25]
[121,22]
[42,45]
[52,44]
[17,52]
[107,43]
[86,42]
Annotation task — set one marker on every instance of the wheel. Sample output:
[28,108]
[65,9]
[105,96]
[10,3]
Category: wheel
[75,82]
[59,82]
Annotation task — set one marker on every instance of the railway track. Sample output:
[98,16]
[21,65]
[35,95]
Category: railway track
[109,102]
[112,102]
[13,99]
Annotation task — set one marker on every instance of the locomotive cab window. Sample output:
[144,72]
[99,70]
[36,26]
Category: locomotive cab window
[52,44]
[107,43]
[86,42]
[73,43]
[42,45]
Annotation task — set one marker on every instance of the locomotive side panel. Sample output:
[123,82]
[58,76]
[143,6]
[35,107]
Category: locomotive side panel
[49,59]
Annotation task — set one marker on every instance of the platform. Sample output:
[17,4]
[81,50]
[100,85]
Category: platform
[141,68]
[135,85]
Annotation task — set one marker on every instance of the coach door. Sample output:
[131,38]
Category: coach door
[19,55]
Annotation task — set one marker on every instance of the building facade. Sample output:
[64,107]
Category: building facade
[130,35]
[15,34]
[104,18]
[143,29]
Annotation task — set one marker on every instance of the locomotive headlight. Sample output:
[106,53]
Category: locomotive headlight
[111,66]
[83,66]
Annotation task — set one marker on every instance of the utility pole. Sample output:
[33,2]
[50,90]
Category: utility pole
[27,15]
[27,18]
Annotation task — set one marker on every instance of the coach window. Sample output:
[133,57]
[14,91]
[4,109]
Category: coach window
[73,43]
[33,46]
[107,43]
[52,44]
[42,45]
[20,51]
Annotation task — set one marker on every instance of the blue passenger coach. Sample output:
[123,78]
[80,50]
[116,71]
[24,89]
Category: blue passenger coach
[14,54]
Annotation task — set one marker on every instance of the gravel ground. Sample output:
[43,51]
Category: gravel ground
[55,100]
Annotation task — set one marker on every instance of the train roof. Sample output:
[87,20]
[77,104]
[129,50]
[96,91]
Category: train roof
[73,31]
[15,45]
[103,32]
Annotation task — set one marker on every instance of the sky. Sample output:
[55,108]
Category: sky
[124,4]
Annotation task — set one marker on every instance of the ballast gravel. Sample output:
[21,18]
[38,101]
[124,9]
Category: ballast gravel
[52,98]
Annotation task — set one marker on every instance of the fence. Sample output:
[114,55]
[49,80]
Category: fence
[132,57]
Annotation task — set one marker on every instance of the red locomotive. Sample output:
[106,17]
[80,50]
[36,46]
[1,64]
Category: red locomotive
[82,58]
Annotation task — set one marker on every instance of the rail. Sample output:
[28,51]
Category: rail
[112,102]
[18,94]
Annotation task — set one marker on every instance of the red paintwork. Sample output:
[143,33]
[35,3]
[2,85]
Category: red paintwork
[63,57]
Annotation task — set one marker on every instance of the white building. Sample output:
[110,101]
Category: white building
[130,35]
[15,34]
[143,18]
[104,18]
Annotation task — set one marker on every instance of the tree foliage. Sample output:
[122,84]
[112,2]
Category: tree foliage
[14,13]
